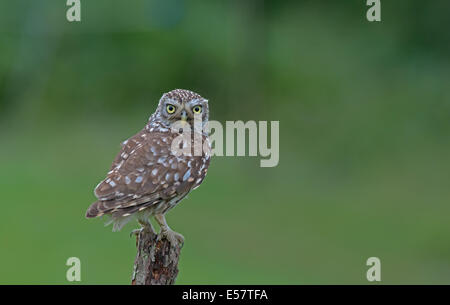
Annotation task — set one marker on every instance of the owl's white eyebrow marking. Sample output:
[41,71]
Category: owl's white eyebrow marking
[172,101]
[187,175]
[127,180]
[138,179]
[193,101]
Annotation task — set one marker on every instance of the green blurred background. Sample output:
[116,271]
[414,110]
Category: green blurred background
[364,137]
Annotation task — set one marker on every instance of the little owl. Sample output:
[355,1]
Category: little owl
[148,177]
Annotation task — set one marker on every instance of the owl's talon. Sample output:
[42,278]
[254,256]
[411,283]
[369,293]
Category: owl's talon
[145,226]
[173,237]
[136,232]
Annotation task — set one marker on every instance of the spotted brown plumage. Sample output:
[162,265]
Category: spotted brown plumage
[147,178]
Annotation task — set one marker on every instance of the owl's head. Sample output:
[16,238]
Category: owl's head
[182,105]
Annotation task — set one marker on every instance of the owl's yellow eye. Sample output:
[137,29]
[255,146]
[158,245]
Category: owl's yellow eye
[170,109]
[197,109]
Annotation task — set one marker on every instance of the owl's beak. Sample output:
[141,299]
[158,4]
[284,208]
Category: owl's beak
[184,116]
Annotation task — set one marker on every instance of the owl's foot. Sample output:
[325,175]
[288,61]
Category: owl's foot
[145,225]
[136,232]
[173,237]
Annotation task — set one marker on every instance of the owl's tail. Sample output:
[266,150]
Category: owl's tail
[93,211]
[119,217]
[101,207]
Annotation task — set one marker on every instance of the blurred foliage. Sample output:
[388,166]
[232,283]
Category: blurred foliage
[364,122]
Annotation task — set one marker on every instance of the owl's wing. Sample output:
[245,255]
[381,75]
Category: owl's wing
[145,172]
